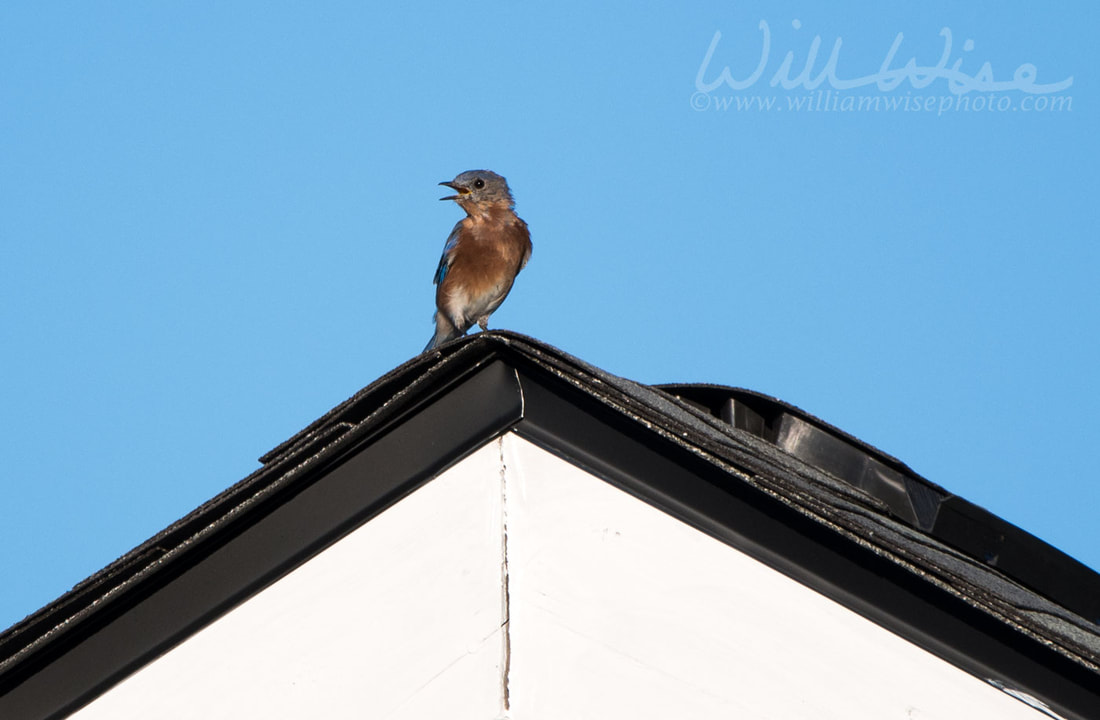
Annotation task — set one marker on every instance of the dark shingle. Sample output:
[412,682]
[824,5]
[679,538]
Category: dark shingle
[845,493]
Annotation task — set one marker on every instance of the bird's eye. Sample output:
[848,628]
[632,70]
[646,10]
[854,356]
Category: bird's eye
[479,183]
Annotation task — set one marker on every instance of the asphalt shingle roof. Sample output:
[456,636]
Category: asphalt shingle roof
[847,491]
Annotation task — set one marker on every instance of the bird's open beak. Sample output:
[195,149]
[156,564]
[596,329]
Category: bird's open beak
[461,190]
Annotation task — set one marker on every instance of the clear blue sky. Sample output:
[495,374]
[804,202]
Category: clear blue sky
[218,220]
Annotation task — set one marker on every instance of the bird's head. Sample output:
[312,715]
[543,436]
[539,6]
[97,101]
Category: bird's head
[479,188]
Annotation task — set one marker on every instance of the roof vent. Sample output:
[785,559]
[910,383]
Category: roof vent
[954,521]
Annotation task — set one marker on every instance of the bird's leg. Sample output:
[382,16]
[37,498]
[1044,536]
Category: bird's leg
[483,323]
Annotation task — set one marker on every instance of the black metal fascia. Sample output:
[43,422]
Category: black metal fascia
[332,493]
[384,443]
[702,493]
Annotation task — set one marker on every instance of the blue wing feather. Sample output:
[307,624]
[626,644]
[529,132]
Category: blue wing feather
[445,259]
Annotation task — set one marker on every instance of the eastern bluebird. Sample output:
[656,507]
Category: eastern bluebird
[483,254]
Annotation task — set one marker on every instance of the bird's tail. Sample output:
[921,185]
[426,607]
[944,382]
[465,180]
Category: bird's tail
[444,330]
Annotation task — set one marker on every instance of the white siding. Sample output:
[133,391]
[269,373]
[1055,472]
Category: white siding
[396,620]
[616,611]
[621,611]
